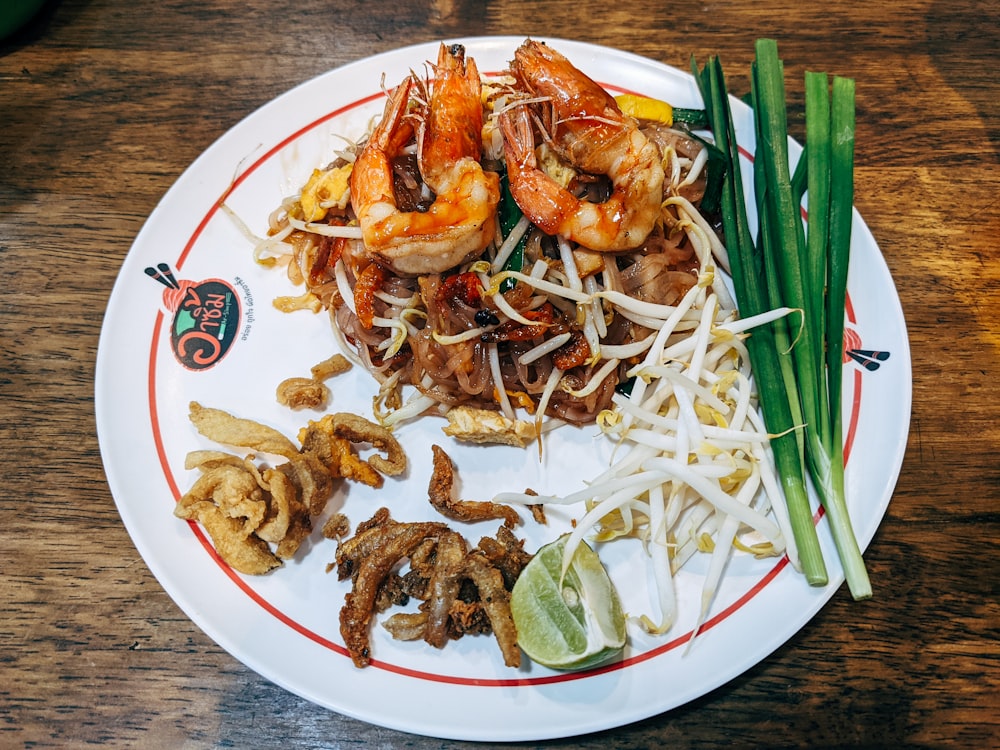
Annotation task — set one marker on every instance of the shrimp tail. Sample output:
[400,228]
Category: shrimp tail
[453,125]
[395,129]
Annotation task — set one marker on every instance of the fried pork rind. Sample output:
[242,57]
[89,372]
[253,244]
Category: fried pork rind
[336,527]
[259,516]
[257,509]
[305,301]
[440,492]
[302,393]
[310,476]
[461,591]
[337,453]
[359,430]
[222,427]
[335,365]
[230,503]
[311,392]
[333,439]
[207,459]
[247,554]
[232,490]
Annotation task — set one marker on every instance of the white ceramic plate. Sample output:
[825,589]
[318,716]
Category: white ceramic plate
[285,625]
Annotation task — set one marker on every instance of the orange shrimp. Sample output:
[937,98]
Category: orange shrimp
[460,222]
[590,132]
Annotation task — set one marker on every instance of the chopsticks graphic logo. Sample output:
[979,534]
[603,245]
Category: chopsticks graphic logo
[869,359]
[205,320]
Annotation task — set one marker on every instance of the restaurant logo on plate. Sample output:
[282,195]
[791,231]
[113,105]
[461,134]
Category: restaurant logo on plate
[869,359]
[206,317]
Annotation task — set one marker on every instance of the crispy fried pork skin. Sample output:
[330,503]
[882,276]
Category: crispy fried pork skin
[441,489]
[496,601]
[371,570]
[223,427]
[446,580]
[302,393]
[360,430]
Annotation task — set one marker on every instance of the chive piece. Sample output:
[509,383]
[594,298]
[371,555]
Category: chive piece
[694,118]
[752,298]
[818,230]
[766,242]
[806,284]
[841,216]
[510,214]
[715,175]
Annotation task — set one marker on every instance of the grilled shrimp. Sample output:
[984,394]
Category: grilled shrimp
[590,132]
[459,223]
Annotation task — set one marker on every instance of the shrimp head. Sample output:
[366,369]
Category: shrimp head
[459,223]
[587,129]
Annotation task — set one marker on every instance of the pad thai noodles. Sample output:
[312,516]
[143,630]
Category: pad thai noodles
[511,243]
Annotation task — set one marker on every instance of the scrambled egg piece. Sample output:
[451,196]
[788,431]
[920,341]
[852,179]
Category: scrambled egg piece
[485,426]
[550,163]
[588,262]
[324,190]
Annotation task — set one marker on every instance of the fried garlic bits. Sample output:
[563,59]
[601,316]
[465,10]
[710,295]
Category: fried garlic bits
[258,515]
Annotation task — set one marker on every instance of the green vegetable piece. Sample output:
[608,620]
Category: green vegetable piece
[694,118]
[748,268]
[510,214]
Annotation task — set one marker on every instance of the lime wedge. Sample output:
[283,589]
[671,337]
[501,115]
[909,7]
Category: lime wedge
[571,624]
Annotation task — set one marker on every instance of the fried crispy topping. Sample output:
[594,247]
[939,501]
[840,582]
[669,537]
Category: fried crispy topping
[445,582]
[461,591]
[359,430]
[371,571]
[302,393]
[496,602]
[336,527]
[335,365]
[223,427]
[258,516]
[441,491]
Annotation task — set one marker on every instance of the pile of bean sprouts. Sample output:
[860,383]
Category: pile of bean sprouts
[693,470]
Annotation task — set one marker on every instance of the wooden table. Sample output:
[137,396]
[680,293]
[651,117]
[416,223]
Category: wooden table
[104,103]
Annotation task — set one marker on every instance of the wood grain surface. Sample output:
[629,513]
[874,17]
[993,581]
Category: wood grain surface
[103,103]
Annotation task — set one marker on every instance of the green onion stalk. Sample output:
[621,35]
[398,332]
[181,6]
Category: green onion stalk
[747,267]
[811,268]
[510,214]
